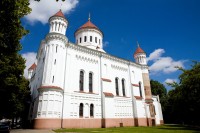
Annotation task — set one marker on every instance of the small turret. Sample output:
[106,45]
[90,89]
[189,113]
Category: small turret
[30,70]
[140,56]
[58,23]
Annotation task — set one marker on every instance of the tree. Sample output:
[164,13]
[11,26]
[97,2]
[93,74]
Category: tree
[159,89]
[13,86]
[184,98]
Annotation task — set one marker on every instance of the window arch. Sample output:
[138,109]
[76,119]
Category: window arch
[117,86]
[81,81]
[80,40]
[81,110]
[91,110]
[140,89]
[85,38]
[123,87]
[90,82]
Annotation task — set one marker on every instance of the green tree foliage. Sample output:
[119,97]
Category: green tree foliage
[184,99]
[159,89]
[13,86]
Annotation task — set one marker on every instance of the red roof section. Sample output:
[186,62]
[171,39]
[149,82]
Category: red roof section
[47,87]
[107,94]
[89,24]
[138,50]
[59,14]
[33,66]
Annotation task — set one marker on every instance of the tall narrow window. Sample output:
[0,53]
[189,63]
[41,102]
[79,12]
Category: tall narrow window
[81,82]
[140,89]
[95,39]
[99,41]
[80,39]
[85,38]
[56,49]
[81,110]
[91,110]
[90,82]
[90,38]
[116,86]
[123,87]
[54,61]
[53,79]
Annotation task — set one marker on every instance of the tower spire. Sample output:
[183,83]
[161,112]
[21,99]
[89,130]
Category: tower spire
[89,17]
[138,44]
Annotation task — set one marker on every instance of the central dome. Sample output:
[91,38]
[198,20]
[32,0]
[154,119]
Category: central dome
[90,36]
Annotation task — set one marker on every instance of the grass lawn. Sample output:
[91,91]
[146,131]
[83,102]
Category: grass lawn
[157,129]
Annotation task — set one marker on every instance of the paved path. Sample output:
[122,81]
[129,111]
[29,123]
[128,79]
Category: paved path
[30,131]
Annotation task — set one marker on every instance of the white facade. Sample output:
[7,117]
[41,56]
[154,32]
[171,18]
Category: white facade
[79,85]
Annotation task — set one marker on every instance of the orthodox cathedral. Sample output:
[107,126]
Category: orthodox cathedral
[81,86]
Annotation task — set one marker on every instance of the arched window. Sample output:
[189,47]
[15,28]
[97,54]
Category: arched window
[90,82]
[85,38]
[140,89]
[91,110]
[95,39]
[90,38]
[80,39]
[81,81]
[123,87]
[81,110]
[117,86]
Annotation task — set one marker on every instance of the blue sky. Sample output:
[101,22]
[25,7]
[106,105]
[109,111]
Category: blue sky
[167,30]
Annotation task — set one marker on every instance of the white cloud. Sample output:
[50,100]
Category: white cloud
[41,11]
[156,54]
[170,80]
[163,64]
[30,58]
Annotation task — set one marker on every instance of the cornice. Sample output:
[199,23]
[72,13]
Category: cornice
[58,18]
[56,36]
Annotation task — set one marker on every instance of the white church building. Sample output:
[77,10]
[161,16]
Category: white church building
[81,86]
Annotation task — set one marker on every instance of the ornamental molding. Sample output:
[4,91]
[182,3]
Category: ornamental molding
[119,68]
[81,30]
[83,49]
[86,59]
[57,18]
[56,36]
[104,55]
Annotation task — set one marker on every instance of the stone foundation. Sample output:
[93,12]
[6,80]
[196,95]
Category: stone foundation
[91,123]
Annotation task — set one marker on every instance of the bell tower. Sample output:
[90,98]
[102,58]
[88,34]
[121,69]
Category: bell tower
[140,56]
[58,23]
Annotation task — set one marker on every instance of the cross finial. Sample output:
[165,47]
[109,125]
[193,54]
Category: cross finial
[60,6]
[89,17]
[138,44]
